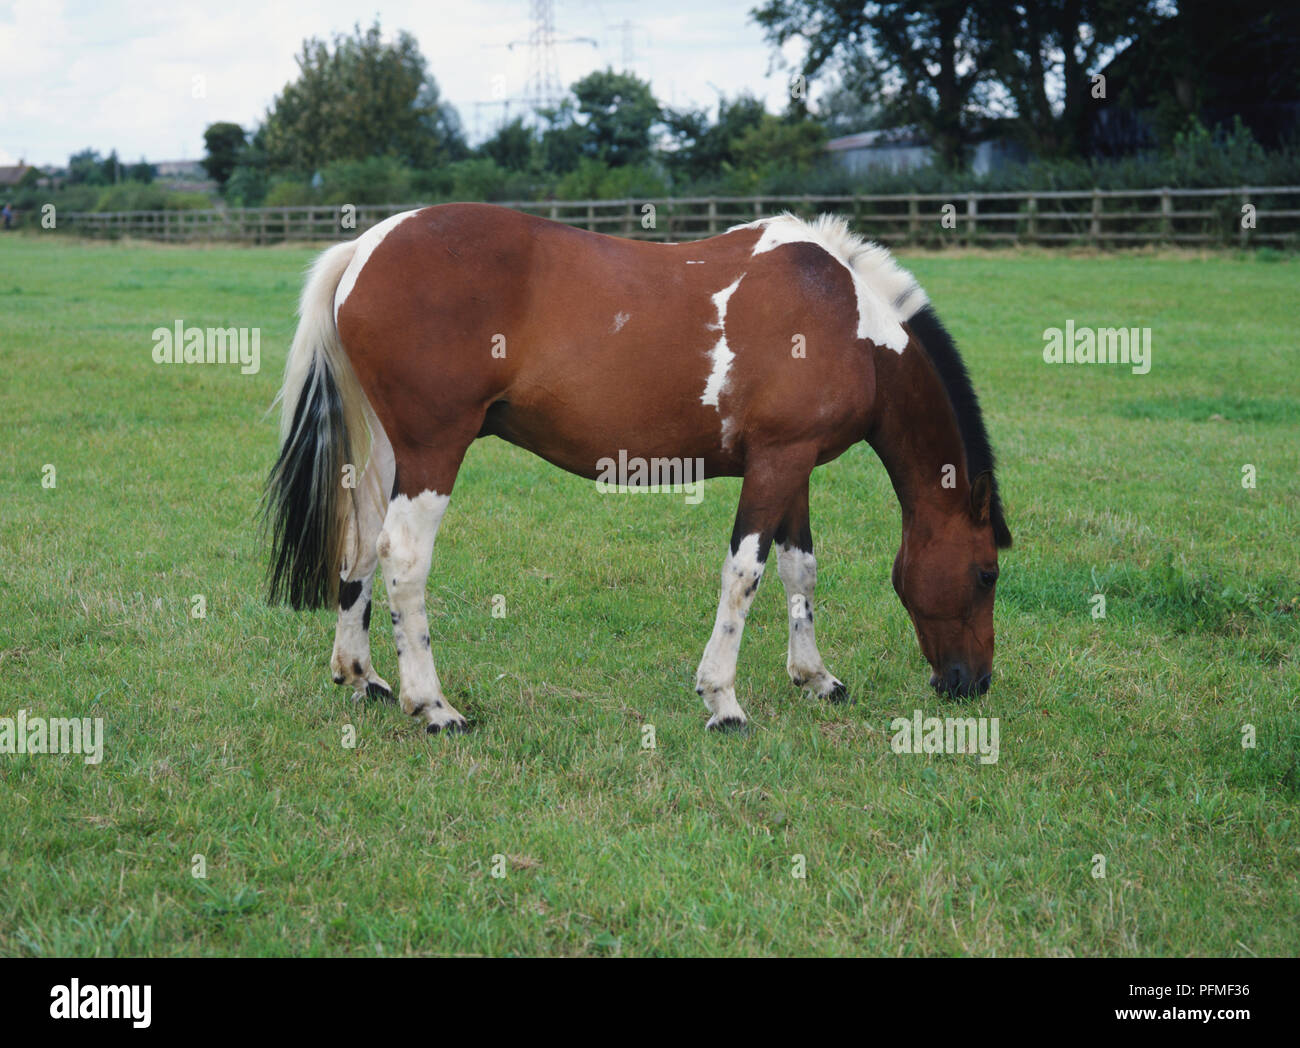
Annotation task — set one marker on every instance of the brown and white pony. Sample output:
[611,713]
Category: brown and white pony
[763,352]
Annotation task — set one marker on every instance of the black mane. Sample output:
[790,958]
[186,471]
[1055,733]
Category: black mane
[941,350]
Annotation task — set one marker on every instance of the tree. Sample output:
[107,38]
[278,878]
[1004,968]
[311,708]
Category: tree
[923,62]
[513,147]
[777,144]
[700,149]
[947,66]
[111,169]
[362,98]
[563,138]
[617,111]
[845,111]
[1036,46]
[224,142]
[86,169]
[249,182]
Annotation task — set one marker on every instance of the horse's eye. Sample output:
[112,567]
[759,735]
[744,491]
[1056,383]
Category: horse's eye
[987,578]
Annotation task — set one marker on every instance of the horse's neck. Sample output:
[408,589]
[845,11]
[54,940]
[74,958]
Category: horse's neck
[915,433]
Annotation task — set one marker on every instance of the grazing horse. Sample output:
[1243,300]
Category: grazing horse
[762,353]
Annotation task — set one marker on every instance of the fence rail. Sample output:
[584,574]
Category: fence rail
[1241,216]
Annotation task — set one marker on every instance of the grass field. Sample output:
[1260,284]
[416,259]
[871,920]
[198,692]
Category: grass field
[1120,737]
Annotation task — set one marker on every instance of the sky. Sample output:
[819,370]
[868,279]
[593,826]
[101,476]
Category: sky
[147,78]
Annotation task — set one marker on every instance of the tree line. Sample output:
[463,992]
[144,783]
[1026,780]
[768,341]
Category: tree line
[364,121]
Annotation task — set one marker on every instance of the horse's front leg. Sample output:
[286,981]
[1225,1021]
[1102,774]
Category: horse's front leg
[765,499]
[797,568]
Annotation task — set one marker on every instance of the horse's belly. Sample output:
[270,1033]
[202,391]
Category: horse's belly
[616,430]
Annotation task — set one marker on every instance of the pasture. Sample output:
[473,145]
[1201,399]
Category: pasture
[224,738]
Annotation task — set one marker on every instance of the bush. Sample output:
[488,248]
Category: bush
[481,178]
[131,196]
[593,180]
[287,192]
[375,180]
[187,202]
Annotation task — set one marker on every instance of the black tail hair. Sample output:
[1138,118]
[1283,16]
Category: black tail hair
[301,505]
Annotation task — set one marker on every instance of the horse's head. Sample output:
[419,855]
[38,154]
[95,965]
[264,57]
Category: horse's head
[945,574]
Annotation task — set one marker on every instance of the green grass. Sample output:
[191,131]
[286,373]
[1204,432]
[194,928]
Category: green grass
[1119,737]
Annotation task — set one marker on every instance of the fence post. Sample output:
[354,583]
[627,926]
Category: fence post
[758,208]
[628,219]
[972,209]
[591,217]
[913,218]
[1166,214]
[1031,226]
[1243,234]
[1094,234]
[713,216]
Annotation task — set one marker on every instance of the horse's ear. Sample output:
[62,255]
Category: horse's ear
[981,496]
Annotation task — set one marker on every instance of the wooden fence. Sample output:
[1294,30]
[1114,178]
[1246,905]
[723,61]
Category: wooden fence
[1234,216]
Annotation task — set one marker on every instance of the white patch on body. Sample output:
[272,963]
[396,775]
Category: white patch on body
[798,571]
[715,680]
[887,295]
[619,320]
[721,354]
[405,548]
[366,244]
[695,261]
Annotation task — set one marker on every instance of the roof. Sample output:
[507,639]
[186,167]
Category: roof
[11,176]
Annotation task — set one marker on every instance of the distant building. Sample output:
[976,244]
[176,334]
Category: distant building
[187,176]
[11,176]
[905,149]
[184,170]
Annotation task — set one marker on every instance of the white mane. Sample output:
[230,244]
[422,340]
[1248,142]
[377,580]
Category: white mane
[881,281]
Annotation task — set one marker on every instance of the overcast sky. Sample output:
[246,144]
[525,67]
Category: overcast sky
[121,74]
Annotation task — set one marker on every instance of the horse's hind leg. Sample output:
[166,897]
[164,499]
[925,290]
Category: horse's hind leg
[769,487]
[798,570]
[350,662]
[405,548]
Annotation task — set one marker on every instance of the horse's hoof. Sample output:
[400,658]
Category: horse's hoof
[838,694]
[727,724]
[378,691]
[453,727]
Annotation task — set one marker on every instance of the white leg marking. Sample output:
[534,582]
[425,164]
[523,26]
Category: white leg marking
[715,681]
[798,571]
[352,643]
[406,551]
[352,634]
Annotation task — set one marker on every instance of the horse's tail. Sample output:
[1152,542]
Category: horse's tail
[323,429]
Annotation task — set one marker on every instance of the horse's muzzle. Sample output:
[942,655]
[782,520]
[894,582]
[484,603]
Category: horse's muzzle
[958,681]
